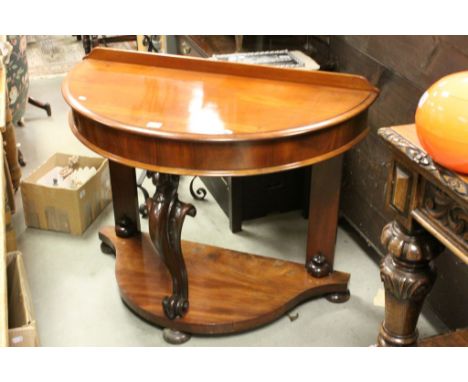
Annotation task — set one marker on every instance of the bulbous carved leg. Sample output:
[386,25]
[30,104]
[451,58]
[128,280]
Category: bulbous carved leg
[408,275]
[166,217]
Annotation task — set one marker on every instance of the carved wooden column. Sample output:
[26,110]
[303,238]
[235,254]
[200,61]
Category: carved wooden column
[408,275]
[166,216]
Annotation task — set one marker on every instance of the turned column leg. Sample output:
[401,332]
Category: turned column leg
[166,217]
[408,275]
[125,203]
[323,220]
[323,216]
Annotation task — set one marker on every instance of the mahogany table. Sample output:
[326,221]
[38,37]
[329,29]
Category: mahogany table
[176,116]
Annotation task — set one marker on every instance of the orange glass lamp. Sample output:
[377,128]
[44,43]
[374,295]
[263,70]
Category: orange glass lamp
[442,121]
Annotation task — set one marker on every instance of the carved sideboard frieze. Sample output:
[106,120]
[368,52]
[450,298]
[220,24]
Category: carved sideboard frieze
[440,207]
[415,154]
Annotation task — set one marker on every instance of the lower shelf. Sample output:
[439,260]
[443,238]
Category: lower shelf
[229,291]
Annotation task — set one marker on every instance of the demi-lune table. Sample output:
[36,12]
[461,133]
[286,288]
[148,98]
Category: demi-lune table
[177,116]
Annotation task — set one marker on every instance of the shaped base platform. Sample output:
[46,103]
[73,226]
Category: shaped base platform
[229,291]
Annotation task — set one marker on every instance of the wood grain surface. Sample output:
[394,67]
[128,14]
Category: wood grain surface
[229,291]
[218,159]
[189,98]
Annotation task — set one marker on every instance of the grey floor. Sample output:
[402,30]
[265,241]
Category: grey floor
[74,291]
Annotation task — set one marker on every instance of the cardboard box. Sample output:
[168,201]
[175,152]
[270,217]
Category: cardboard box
[22,330]
[10,234]
[61,209]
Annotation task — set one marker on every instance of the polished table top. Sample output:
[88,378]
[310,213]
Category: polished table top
[189,99]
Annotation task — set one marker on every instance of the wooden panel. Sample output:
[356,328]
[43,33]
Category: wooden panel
[397,102]
[446,60]
[460,43]
[366,166]
[350,60]
[407,56]
[401,189]
[363,194]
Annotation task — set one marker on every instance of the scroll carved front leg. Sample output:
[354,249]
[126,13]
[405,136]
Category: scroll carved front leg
[166,217]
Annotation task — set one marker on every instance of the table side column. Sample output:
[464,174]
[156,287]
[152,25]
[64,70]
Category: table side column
[124,199]
[323,216]
[324,205]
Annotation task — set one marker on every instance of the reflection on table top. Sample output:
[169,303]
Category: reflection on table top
[181,97]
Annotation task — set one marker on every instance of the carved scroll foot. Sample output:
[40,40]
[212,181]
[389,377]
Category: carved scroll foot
[166,217]
[408,275]
[318,266]
[175,306]
[175,337]
[338,297]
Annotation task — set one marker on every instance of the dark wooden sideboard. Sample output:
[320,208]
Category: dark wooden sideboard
[430,208]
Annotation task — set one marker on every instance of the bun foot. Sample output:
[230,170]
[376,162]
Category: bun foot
[175,337]
[107,249]
[318,266]
[338,297]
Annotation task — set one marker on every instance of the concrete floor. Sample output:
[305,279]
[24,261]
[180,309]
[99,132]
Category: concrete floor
[75,294]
